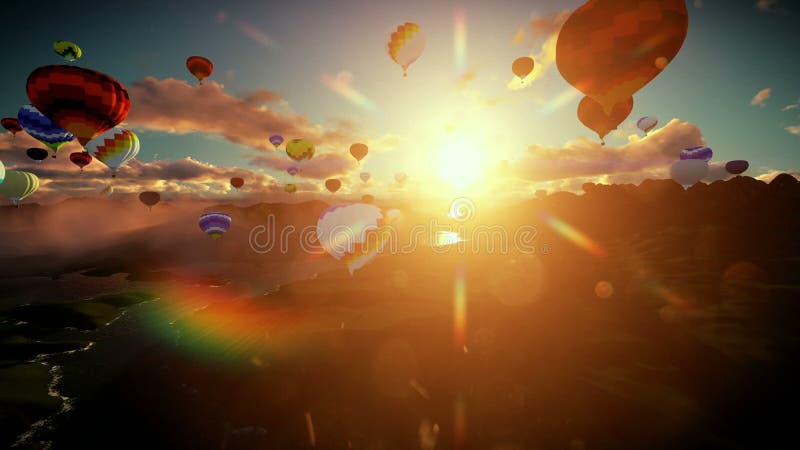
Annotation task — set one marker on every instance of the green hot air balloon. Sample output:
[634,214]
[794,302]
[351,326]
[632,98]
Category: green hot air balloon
[67,50]
[18,185]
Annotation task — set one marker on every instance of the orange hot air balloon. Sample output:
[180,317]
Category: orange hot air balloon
[200,67]
[609,49]
[237,182]
[591,114]
[359,151]
[367,198]
[522,67]
[333,185]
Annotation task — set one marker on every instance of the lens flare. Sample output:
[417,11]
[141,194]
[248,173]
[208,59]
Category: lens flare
[575,236]
[342,84]
[460,309]
[460,39]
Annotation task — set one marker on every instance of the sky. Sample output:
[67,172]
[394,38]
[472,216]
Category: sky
[459,124]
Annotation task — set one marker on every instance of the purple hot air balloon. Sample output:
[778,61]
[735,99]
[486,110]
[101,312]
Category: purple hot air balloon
[697,152]
[736,167]
[215,224]
[292,170]
[276,140]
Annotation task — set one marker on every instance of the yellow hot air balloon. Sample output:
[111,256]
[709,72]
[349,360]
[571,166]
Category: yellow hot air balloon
[18,185]
[300,149]
[290,188]
[406,45]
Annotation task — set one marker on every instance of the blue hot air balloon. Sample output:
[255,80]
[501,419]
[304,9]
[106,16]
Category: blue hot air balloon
[215,224]
[736,167]
[43,129]
[698,152]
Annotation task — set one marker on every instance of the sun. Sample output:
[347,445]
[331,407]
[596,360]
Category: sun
[460,163]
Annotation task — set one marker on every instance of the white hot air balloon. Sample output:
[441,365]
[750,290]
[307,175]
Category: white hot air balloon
[646,124]
[687,172]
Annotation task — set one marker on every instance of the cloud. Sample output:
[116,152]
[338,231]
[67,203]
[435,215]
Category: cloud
[585,157]
[174,106]
[770,174]
[791,106]
[794,129]
[761,97]
[342,84]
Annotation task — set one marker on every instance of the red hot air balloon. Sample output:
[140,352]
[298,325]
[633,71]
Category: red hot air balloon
[82,101]
[11,124]
[591,114]
[333,185]
[200,67]
[150,198]
[237,182]
[80,159]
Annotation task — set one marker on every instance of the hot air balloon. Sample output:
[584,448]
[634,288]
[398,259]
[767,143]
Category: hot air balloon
[276,140]
[292,170]
[115,147]
[290,188]
[67,50]
[200,67]
[354,233]
[80,159]
[11,124]
[400,177]
[365,176]
[237,182]
[359,151]
[591,114]
[18,184]
[522,67]
[82,101]
[300,149]
[333,185]
[609,49]
[646,124]
[36,154]
[105,189]
[2,171]
[149,198]
[736,167]
[215,224]
[43,129]
[700,152]
[406,45]
[687,172]
[367,198]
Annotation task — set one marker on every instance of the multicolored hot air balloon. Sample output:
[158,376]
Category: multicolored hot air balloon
[333,185]
[591,114]
[406,45]
[82,101]
[11,124]
[290,188]
[237,182]
[359,151]
[365,176]
[115,147]
[67,50]
[292,170]
[609,49]
[736,167]
[687,172]
[522,67]
[276,140]
[149,198]
[354,233]
[200,67]
[43,129]
[700,152]
[80,159]
[18,184]
[300,149]
[37,154]
[646,124]
[215,224]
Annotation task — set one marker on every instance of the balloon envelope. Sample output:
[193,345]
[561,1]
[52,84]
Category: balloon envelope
[82,101]
[149,198]
[199,66]
[290,188]
[646,123]
[18,184]
[11,124]
[365,176]
[43,129]
[367,198]
[700,152]
[276,140]
[215,224]
[359,151]
[406,45]
[2,171]
[300,149]
[80,159]
[400,177]
[67,50]
[522,67]
[592,114]
[36,154]
[115,147]
[292,170]
[333,185]
[687,172]
[237,182]
[736,167]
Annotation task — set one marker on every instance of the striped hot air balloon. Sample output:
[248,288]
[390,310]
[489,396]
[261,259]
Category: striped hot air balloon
[215,224]
[18,184]
[406,45]
[43,129]
[82,101]
[115,147]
